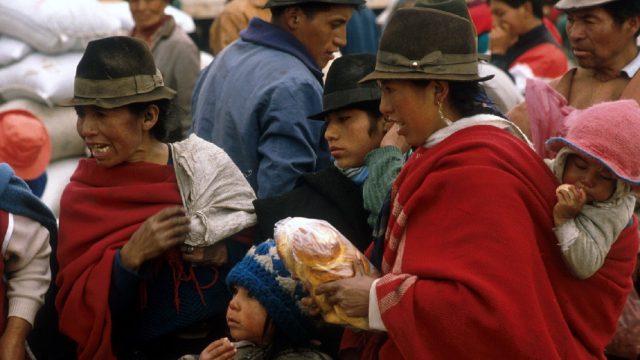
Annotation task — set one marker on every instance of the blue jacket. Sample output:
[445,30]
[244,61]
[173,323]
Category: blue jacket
[253,101]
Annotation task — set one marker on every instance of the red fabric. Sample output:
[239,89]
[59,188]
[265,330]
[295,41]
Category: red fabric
[99,211]
[4,223]
[476,273]
[546,61]
[481,17]
[553,30]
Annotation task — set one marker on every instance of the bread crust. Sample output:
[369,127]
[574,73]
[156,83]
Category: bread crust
[316,253]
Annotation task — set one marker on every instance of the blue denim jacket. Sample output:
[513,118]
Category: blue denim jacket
[253,101]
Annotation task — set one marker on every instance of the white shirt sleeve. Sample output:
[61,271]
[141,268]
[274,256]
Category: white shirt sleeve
[26,252]
[375,318]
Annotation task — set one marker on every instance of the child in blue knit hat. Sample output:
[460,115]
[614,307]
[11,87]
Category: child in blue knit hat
[265,316]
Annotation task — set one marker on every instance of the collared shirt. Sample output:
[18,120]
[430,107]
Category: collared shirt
[632,68]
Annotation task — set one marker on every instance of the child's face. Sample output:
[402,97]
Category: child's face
[596,180]
[246,317]
[350,136]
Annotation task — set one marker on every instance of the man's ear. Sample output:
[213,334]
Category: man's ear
[633,24]
[292,16]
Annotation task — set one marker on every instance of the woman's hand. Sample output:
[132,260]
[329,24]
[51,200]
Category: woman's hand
[392,138]
[570,202]
[215,254]
[350,294]
[220,349]
[162,231]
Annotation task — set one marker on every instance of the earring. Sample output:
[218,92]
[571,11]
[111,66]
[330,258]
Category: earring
[446,120]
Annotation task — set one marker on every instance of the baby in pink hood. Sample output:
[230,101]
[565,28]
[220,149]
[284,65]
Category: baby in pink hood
[597,163]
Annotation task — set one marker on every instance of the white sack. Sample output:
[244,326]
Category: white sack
[12,50]
[56,26]
[45,78]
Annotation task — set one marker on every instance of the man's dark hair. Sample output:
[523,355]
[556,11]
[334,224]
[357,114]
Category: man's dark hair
[536,6]
[310,9]
[622,10]
[372,108]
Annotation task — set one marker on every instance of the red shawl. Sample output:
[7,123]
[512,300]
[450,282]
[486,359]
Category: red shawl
[99,211]
[471,265]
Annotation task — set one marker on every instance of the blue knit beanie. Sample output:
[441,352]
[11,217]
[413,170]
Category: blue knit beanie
[263,273]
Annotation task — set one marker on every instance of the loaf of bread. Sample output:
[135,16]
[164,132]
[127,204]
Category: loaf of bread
[315,252]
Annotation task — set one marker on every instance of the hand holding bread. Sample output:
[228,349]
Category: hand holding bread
[316,253]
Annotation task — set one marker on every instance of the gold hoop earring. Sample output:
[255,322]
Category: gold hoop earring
[444,119]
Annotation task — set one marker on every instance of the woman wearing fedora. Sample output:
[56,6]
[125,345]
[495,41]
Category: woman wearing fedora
[469,264]
[140,214]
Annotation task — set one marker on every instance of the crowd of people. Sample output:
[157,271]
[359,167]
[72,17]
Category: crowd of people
[498,229]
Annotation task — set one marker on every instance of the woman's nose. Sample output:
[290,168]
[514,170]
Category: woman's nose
[86,127]
[384,107]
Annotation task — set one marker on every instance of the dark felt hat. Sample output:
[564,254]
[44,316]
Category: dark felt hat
[342,89]
[117,71]
[275,3]
[456,7]
[424,43]
[576,4]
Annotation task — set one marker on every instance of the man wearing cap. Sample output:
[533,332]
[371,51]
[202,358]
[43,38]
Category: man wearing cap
[254,99]
[602,35]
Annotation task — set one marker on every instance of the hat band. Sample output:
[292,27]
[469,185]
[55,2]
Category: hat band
[433,63]
[115,88]
[351,96]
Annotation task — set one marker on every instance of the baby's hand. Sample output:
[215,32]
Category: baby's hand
[221,349]
[570,202]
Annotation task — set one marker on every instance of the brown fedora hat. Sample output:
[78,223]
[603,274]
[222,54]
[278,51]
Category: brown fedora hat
[424,43]
[117,71]
[576,4]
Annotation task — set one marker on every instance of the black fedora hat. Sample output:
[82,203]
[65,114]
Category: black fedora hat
[342,89]
[425,43]
[117,71]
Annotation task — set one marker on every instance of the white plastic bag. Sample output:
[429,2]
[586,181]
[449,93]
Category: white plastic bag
[56,26]
[44,78]
[12,50]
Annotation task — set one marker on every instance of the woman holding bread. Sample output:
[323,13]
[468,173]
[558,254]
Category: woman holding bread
[470,266]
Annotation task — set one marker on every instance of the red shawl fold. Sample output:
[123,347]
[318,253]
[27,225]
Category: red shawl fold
[471,265]
[99,211]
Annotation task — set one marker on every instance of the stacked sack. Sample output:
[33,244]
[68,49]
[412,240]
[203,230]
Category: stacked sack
[41,43]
